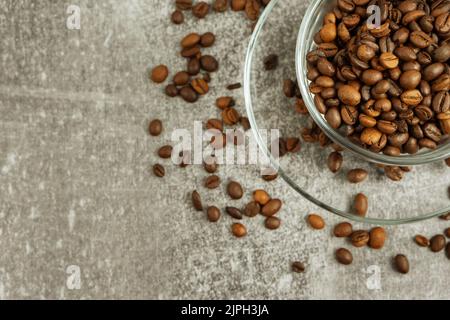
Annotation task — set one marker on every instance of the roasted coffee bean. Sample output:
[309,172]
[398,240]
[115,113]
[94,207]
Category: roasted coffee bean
[422,241]
[220,5]
[155,127]
[212,182]
[367,121]
[235,190]
[159,171]
[343,230]
[190,40]
[344,256]
[200,9]
[188,94]
[442,53]
[225,102]
[252,9]
[207,39]
[333,117]
[165,152]
[200,86]
[230,116]
[437,243]
[328,33]
[239,230]
[238,5]
[427,143]
[316,221]
[159,73]
[377,238]
[361,205]
[420,39]
[272,223]
[325,67]
[261,197]
[252,209]
[441,102]
[271,208]
[181,78]
[171,90]
[214,124]
[197,201]
[432,132]
[271,62]
[360,238]
[193,67]
[233,212]
[298,267]
[213,214]
[269,177]
[405,54]
[191,52]
[335,161]
[177,17]
[394,173]
[433,71]
[348,95]
[209,63]
[357,175]
[401,263]
[349,115]
[210,164]
[289,88]
[410,79]
[183,4]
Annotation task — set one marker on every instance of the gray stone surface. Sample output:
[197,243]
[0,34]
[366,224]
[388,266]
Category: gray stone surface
[76,187]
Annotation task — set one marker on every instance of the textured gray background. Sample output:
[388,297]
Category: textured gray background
[76,188]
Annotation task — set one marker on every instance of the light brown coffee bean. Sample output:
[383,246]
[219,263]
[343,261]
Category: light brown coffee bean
[394,173]
[238,230]
[421,240]
[155,127]
[235,190]
[361,204]
[159,73]
[165,152]
[360,238]
[271,208]
[316,221]
[298,267]
[348,95]
[212,182]
[335,161]
[261,197]
[389,60]
[213,214]
[252,209]
[357,175]
[377,238]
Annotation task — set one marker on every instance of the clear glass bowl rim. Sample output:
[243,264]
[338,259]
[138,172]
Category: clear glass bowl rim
[274,162]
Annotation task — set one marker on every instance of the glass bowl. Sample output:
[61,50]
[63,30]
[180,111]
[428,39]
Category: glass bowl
[422,193]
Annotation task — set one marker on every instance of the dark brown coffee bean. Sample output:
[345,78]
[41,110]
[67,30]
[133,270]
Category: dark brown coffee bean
[335,161]
[344,256]
[333,117]
[298,267]
[316,222]
[271,208]
[272,223]
[442,23]
[239,230]
[343,230]
[159,171]
[213,214]
[432,132]
[181,78]
[252,9]
[200,9]
[271,62]
[212,182]
[193,67]
[437,243]
[165,152]
[442,83]
[442,53]
[410,79]
[361,205]
[220,5]
[245,123]
[420,39]
[293,145]
[289,88]
[177,17]
[209,63]
[183,4]
[233,212]
[349,95]
[422,241]
[401,263]
[325,67]
[171,90]
[433,71]
[252,209]
[155,127]
[197,201]
[377,238]
[235,190]
[188,94]
[360,238]
[441,102]
[405,54]
[207,39]
[411,146]
[270,177]
[357,175]
[159,73]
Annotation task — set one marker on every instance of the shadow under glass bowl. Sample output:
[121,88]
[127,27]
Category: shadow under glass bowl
[423,192]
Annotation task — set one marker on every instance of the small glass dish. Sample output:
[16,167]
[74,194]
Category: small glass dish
[423,192]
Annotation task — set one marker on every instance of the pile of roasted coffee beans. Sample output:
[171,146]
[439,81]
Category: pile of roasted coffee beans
[386,87]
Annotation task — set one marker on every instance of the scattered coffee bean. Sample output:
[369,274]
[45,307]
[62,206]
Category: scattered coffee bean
[233,212]
[360,238]
[165,152]
[293,145]
[234,86]
[209,63]
[447,232]
[181,78]
[239,230]
[422,241]
[269,177]
[335,161]
[210,164]
[225,102]
[188,94]
[212,182]
[361,204]
[159,73]
[155,127]
[230,116]
[193,66]
[238,5]
[252,209]
[207,39]
[344,256]
[197,201]
[213,214]
[271,62]
[159,170]
[200,9]
[271,208]
[171,90]
[177,17]
[316,221]
[343,230]
[298,267]
[401,263]
[235,190]
[272,223]
[437,243]
[245,123]
[357,175]
[394,173]
[220,5]
[183,4]
[261,197]
[377,238]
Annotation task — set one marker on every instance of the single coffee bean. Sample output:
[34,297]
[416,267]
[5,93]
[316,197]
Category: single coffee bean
[335,161]
[441,102]
[200,9]
[190,40]
[193,67]
[165,152]
[213,214]
[252,209]
[410,79]
[233,212]
[437,243]
[190,52]
[183,4]
[271,208]
[411,97]
[197,201]
[220,5]
[427,143]
[235,190]
[389,60]
[377,238]
[239,230]
[272,223]
[333,117]
[432,132]
[230,116]
[343,230]
[271,62]
[405,54]
[298,267]
[325,67]
[225,102]
[207,39]
[212,182]
[188,94]
[293,145]
[394,173]
[200,86]
[328,32]
[159,73]
[261,197]
[214,124]
[422,241]
[209,63]
[159,171]
[289,88]
[360,238]
[177,17]
[420,39]
[348,95]
[316,221]
[245,123]
[210,164]
[171,90]
[357,175]
[442,53]
[181,78]
[433,71]
[155,127]
[371,77]
[252,9]
[344,256]
[361,204]
[401,263]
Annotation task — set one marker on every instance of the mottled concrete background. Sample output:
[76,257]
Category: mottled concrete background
[77,193]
